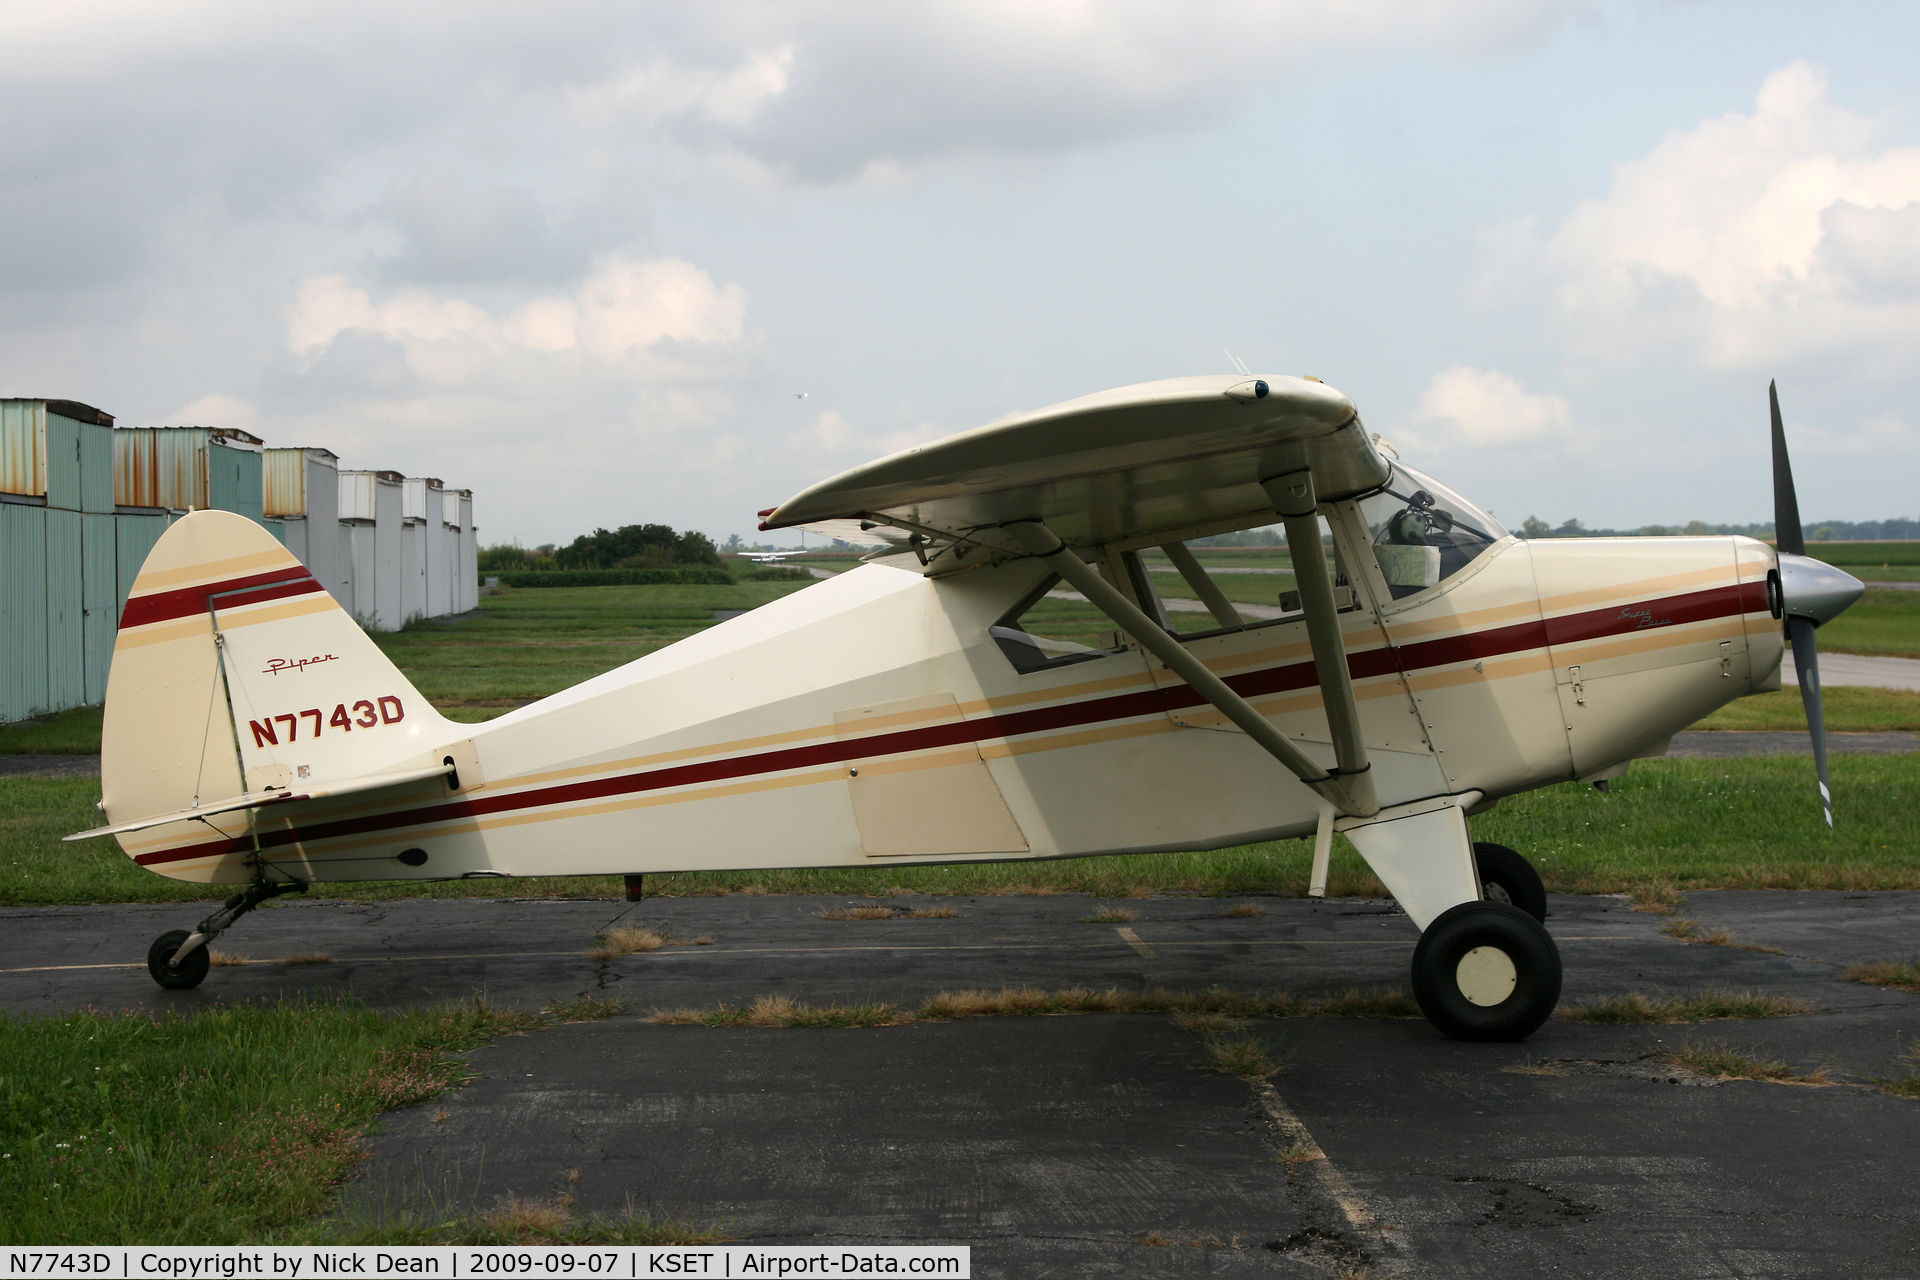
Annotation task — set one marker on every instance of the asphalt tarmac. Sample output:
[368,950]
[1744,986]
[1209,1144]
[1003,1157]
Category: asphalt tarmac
[1057,1146]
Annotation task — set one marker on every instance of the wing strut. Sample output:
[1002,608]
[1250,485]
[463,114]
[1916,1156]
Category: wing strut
[1351,793]
[1294,498]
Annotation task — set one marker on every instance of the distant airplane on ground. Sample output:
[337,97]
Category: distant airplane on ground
[921,708]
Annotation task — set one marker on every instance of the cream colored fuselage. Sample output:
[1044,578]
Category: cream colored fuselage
[871,720]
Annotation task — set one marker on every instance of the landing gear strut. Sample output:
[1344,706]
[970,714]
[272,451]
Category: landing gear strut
[178,960]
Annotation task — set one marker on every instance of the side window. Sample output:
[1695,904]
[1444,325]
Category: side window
[1045,631]
[1423,533]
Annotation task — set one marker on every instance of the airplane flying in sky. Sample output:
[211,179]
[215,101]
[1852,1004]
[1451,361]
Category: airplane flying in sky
[941,703]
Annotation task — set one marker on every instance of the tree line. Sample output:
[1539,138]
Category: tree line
[632,546]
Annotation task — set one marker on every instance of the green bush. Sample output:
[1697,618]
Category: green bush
[683,577]
[775,573]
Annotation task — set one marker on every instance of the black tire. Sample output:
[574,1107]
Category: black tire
[1471,1001]
[1507,877]
[192,968]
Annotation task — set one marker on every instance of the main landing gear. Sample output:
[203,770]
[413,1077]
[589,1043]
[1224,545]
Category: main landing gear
[178,960]
[1488,970]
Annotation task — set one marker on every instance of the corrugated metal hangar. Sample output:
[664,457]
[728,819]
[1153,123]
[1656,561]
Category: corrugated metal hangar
[82,502]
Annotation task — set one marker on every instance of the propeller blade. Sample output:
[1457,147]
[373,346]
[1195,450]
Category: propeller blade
[1786,505]
[1811,592]
[1806,665]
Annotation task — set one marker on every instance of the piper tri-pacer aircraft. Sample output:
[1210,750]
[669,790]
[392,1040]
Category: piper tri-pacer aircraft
[920,709]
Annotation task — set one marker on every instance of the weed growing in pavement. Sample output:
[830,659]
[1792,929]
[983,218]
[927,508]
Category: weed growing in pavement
[587,1008]
[1724,1062]
[1208,1023]
[1706,1006]
[1240,910]
[1904,1085]
[1246,1057]
[1111,915]
[306,957]
[1660,897]
[218,958]
[626,940]
[1688,930]
[1885,973]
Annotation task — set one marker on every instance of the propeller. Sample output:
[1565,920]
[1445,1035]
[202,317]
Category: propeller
[1811,592]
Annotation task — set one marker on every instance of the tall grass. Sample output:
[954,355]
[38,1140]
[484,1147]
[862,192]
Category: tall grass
[232,1125]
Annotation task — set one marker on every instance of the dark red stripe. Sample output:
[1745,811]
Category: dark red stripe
[1670,611]
[164,606]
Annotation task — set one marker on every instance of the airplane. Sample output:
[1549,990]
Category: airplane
[767,557]
[930,706]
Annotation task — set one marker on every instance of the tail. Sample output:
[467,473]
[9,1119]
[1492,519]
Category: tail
[235,673]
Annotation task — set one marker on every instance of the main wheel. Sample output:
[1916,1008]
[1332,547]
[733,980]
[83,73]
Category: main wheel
[1486,971]
[1507,877]
[192,968]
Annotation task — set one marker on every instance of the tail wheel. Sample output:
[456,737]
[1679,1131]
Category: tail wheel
[1486,971]
[1507,877]
[192,968]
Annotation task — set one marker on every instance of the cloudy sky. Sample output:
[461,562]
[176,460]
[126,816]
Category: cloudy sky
[582,257]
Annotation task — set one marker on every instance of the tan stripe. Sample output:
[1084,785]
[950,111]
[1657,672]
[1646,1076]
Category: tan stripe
[202,624]
[212,571]
[1608,647]
[1615,594]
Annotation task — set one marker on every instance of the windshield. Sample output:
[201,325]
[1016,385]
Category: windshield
[1423,532]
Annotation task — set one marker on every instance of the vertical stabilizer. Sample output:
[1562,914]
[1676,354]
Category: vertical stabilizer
[234,671]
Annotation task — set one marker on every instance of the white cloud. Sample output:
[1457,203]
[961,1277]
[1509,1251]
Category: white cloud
[623,307]
[1749,240]
[827,91]
[217,410]
[1884,437]
[1488,407]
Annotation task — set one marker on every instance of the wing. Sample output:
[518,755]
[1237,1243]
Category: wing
[1181,458]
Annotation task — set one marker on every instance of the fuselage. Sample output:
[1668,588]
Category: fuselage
[873,719]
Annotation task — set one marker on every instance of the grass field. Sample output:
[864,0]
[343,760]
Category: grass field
[524,645]
[125,1130]
[1886,623]
[1751,823]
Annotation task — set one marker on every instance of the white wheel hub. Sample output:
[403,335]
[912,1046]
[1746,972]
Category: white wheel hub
[1486,976]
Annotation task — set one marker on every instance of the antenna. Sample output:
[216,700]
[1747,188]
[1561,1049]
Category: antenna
[1239,364]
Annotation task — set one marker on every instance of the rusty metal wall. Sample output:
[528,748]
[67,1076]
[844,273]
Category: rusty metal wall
[23,446]
[160,467]
[283,482]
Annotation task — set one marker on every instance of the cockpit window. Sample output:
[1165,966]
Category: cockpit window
[1054,627]
[1423,532]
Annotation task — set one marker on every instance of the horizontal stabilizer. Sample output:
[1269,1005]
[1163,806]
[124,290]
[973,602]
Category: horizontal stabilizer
[260,799]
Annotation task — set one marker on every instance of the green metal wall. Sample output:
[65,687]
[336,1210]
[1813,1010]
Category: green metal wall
[65,570]
[233,481]
[134,536]
[66,642]
[99,600]
[23,610]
